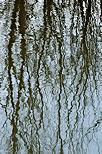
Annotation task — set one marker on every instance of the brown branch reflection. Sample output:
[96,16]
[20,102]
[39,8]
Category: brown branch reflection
[53,95]
[18,5]
[84,66]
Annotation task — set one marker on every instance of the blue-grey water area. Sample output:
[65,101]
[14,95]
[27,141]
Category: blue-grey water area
[50,76]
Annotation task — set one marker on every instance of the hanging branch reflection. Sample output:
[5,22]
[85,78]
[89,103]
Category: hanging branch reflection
[53,77]
[83,66]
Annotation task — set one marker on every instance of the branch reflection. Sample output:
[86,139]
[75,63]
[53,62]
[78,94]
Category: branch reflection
[53,73]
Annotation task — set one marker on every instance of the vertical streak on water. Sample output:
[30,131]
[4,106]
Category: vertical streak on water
[101,9]
[10,66]
[59,100]
[11,41]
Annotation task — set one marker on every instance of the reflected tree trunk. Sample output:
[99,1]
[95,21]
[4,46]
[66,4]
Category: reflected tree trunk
[53,95]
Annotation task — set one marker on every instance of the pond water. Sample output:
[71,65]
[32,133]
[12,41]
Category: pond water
[50,77]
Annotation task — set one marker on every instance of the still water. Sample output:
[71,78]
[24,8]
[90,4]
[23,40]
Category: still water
[50,77]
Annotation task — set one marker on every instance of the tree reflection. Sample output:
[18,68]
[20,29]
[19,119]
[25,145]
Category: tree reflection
[84,63]
[53,73]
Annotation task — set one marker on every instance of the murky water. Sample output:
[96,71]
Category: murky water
[50,77]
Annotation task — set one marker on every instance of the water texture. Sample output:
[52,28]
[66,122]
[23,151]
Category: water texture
[50,77]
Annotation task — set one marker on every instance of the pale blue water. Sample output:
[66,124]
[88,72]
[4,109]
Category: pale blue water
[50,77]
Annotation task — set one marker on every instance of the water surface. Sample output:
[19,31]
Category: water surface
[50,77]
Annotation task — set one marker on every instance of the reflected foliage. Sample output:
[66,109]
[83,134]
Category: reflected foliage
[51,77]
